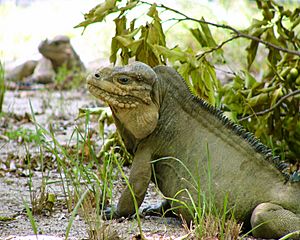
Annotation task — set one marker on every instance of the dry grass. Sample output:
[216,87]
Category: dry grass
[212,228]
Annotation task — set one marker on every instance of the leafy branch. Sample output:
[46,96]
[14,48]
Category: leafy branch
[238,34]
[216,48]
[272,108]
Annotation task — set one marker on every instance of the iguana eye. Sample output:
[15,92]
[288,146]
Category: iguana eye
[123,80]
[56,43]
[97,76]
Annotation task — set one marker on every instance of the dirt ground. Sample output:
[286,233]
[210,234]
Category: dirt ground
[58,109]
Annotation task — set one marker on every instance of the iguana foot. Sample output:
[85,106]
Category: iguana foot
[18,86]
[162,209]
[270,220]
[110,213]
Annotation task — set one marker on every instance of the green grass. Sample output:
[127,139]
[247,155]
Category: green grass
[291,235]
[24,135]
[69,78]
[31,218]
[86,183]
[208,220]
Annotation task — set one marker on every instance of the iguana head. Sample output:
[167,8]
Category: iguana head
[123,87]
[58,50]
[129,91]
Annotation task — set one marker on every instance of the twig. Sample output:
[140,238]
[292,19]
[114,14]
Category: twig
[272,108]
[237,32]
[215,48]
[244,35]
[224,71]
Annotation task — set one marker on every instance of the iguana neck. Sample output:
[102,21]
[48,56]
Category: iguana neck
[140,122]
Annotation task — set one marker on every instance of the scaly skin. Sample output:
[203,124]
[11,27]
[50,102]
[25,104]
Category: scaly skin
[56,53]
[179,141]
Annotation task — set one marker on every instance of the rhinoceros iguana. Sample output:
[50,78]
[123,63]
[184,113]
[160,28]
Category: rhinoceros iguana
[56,53]
[180,140]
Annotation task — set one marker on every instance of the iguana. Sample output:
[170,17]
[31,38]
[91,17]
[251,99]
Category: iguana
[56,53]
[179,140]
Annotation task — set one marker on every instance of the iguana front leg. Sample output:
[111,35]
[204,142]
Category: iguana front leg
[140,176]
[273,221]
[22,71]
[44,72]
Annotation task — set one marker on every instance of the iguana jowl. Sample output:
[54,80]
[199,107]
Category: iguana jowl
[165,127]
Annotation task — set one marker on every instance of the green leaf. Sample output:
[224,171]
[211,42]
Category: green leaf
[252,50]
[102,8]
[120,26]
[256,25]
[209,38]
[249,80]
[238,83]
[153,36]
[184,70]
[174,54]
[258,100]
[157,29]
[276,95]
[114,47]
[98,13]
[124,41]
[152,11]
[274,56]
[199,36]
[203,82]
[213,77]
[129,6]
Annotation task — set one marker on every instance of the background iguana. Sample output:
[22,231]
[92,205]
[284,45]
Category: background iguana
[56,53]
[161,122]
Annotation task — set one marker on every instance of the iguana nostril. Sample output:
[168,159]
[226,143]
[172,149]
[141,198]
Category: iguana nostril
[97,75]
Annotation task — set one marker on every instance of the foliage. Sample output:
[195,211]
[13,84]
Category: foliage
[269,107]
[270,113]
[113,142]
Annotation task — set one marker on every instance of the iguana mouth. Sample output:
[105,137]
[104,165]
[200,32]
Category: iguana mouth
[119,99]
